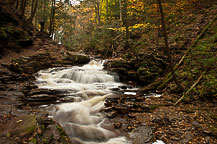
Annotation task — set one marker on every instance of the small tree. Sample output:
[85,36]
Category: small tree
[169,58]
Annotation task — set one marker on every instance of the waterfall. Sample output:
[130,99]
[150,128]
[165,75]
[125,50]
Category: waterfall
[82,120]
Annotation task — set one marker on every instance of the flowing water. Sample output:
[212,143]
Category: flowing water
[89,85]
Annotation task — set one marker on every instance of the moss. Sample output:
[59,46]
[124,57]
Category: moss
[45,141]
[165,82]
[3,32]
[33,141]
[31,129]
[62,133]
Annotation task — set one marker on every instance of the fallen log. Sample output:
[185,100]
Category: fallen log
[198,80]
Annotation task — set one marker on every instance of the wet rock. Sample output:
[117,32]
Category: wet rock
[70,99]
[121,109]
[109,102]
[114,89]
[60,93]
[107,109]
[48,96]
[85,133]
[75,140]
[123,87]
[141,135]
[118,125]
[112,114]
[42,97]
[132,115]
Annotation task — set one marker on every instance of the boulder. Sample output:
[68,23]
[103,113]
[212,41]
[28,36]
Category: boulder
[75,58]
[20,126]
[143,71]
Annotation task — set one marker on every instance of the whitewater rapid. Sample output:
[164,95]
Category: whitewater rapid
[82,119]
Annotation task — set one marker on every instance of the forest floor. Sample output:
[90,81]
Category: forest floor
[191,122]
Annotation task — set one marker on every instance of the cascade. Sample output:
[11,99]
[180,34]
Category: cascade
[82,119]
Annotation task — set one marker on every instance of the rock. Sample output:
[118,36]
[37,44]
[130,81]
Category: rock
[25,43]
[19,126]
[117,125]
[143,71]
[31,64]
[48,134]
[132,115]
[47,96]
[141,135]
[75,58]
[187,137]
[149,108]
[196,125]
[121,109]
[112,114]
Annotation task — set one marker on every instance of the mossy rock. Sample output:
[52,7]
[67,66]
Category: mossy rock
[120,64]
[76,58]
[31,64]
[20,126]
[25,125]
[63,136]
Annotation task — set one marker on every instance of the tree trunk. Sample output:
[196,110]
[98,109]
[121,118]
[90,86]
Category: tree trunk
[23,7]
[17,4]
[107,11]
[169,59]
[33,3]
[43,17]
[45,6]
[98,11]
[121,17]
[125,19]
[34,9]
[166,50]
[51,28]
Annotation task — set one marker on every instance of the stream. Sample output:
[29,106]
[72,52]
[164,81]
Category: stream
[89,86]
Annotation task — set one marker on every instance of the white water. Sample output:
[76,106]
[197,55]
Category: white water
[82,120]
